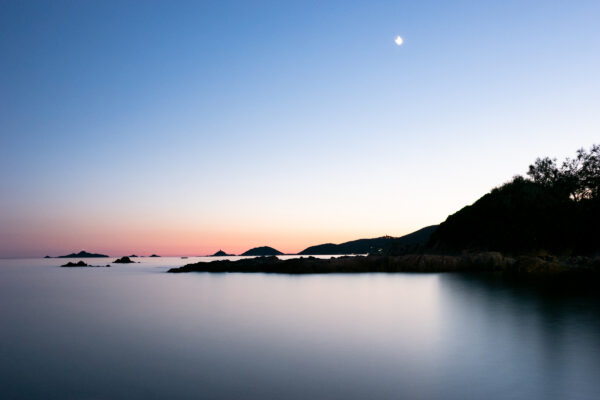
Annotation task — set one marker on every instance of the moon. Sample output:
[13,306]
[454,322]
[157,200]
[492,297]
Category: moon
[399,40]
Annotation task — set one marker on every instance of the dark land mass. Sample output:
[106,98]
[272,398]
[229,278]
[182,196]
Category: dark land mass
[123,260]
[154,255]
[82,254]
[82,264]
[522,217]
[546,223]
[381,245]
[556,210]
[488,262]
[133,255]
[221,253]
[262,251]
[47,257]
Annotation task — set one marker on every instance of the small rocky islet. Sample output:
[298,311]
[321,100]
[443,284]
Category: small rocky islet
[123,260]
[221,253]
[83,264]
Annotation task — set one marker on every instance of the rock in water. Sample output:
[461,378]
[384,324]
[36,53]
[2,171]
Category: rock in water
[123,260]
[77,264]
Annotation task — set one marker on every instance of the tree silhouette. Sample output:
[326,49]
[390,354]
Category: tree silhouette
[556,209]
[577,178]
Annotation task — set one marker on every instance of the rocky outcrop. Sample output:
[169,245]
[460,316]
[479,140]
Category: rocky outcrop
[477,262]
[123,260]
[82,264]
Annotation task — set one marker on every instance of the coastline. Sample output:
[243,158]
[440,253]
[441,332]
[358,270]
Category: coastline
[475,262]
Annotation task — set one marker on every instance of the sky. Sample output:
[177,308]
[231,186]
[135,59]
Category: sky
[182,128]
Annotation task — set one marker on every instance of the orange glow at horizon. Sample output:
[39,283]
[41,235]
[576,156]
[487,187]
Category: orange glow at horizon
[170,241]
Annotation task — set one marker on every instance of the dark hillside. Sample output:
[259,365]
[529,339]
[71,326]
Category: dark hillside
[380,245]
[555,210]
[262,251]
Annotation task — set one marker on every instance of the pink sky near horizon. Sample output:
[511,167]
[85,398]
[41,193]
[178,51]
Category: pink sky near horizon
[193,221]
[166,242]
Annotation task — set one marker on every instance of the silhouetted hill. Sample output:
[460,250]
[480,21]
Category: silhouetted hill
[262,251]
[82,254]
[379,245]
[360,246]
[412,243]
[556,210]
[522,216]
[221,253]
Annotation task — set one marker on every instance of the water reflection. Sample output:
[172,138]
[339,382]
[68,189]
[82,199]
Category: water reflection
[136,332]
[526,338]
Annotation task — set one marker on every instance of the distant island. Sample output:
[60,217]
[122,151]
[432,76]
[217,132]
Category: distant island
[379,245]
[82,254]
[123,260]
[221,253]
[82,264]
[262,251]
[154,255]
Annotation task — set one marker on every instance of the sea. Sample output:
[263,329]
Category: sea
[133,331]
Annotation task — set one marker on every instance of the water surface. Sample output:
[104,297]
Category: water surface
[136,332]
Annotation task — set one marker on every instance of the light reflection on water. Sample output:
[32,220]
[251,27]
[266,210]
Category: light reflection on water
[133,331]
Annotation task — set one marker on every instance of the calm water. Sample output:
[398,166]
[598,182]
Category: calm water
[135,332]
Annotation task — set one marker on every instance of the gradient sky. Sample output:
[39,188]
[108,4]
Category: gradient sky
[180,128]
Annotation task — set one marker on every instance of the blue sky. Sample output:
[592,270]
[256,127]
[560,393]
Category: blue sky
[185,127]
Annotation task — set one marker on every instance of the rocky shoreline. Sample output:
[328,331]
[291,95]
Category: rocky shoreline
[483,262]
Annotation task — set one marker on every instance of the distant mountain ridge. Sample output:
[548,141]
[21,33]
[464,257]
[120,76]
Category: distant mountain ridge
[82,254]
[378,245]
[262,251]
